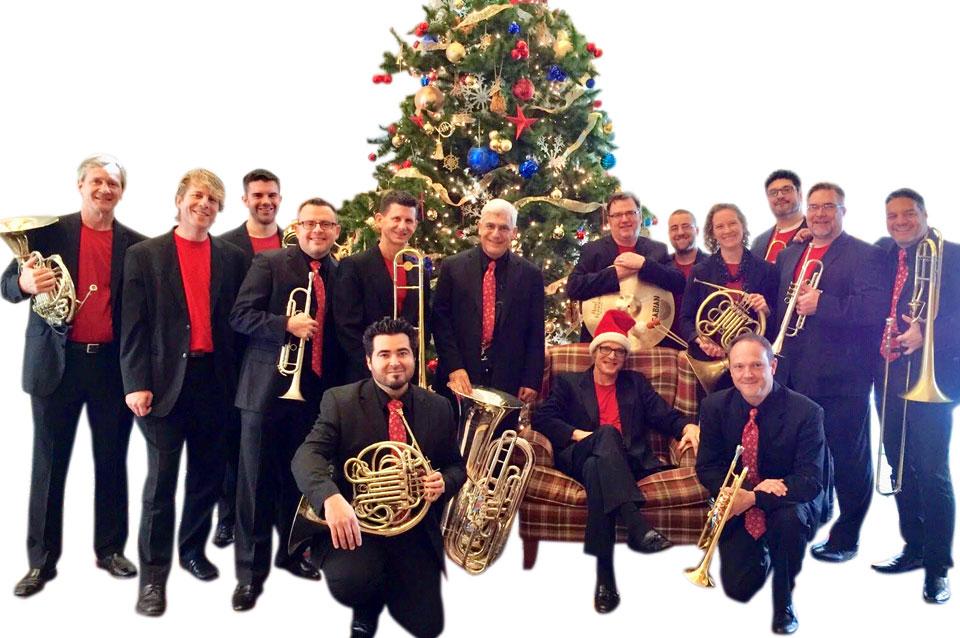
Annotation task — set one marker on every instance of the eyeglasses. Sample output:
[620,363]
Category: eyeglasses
[495,228]
[606,351]
[785,190]
[309,224]
[827,208]
[621,215]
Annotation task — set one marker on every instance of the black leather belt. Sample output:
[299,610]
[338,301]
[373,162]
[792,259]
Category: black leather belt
[86,348]
[199,355]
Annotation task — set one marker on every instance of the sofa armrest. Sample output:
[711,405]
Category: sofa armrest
[542,449]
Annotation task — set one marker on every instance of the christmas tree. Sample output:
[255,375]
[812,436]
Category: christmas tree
[506,106]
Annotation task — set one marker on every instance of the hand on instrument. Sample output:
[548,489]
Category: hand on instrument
[912,339]
[433,487]
[772,486]
[579,435]
[632,261]
[757,302]
[710,348]
[744,500]
[807,300]
[342,521]
[803,236]
[34,280]
[460,382]
[140,402]
[302,326]
[527,395]
[690,438]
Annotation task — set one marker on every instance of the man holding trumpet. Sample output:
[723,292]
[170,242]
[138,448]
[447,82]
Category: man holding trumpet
[284,306]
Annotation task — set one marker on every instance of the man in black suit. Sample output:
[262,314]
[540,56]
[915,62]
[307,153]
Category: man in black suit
[274,424]
[784,196]
[179,372]
[785,495]
[926,502]
[367,572]
[488,313]
[604,263]
[597,423]
[259,233]
[65,369]
[364,288]
[831,359]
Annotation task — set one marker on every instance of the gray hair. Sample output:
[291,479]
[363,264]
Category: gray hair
[101,160]
[501,207]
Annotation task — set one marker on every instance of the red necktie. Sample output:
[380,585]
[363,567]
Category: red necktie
[395,427]
[891,332]
[320,294]
[489,304]
[755,521]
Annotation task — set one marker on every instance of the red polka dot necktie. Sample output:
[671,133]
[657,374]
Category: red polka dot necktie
[889,353]
[395,427]
[320,294]
[755,520]
[489,304]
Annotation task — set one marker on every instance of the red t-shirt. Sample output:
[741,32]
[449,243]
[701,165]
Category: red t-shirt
[607,402]
[810,253]
[401,281]
[625,249]
[686,269]
[261,244]
[93,322]
[785,236]
[194,257]
[732,269]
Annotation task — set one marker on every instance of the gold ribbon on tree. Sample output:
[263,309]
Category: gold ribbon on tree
[476,17]
[440,189]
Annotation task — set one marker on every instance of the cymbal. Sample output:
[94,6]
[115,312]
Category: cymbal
[642,301]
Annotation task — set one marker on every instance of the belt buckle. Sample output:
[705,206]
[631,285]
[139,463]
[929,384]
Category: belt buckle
[91,348]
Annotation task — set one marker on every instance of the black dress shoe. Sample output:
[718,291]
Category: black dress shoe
[117,566]
[152,600]
[902,562]
[785,621]
[301,569]
[605,598]
[832,554]
[936,589]
[651,542]
[245,596]
[223,536]
[201,568]
[33,582]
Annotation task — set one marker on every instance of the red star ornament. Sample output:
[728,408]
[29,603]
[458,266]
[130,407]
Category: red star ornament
[521,121]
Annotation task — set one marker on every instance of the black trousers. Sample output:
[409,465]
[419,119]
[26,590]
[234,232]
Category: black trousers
[92,380]
[745,562]
[846,423]
[600,462]
[227,504]
[195,422]
[926,504]
[267,495]
[401,572]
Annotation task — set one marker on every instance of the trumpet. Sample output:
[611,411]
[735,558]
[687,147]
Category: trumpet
[400,261]
[285,366]
[716,520]
[791,325]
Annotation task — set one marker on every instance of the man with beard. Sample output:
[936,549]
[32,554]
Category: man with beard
[783,195]
[682,230]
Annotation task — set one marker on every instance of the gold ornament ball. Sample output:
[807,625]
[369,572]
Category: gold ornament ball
[495,145]
[427,128]
[469,80]
[556,194]
[561,47]
[558,232]
[428,98]
[456,52]
[505,145]
[494,135]
[550,327]
[432,214]
[398,140]
[608,128]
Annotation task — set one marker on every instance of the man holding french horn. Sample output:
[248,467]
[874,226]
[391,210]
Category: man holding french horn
[915,400]
[284,306]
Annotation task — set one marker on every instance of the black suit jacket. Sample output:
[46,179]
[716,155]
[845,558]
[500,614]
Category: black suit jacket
[947,325]
[44,350]
[834,353]
[593,277]
[260,313]
[240,238]
[792,447]
[761,278]
[760,243]
[572,405]
[517,352]
[364,293]
[667,260]
[351,418]
[155,337]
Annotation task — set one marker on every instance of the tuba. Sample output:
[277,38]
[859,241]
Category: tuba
[810,273]
[285,366]
[400,261]
[59,306]
[478,520]
[716,520]
[388,495]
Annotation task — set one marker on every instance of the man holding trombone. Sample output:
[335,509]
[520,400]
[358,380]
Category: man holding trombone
[284,306]
[784,496]
[915,432]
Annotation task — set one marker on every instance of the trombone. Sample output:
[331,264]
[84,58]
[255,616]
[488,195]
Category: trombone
[786,329]
[285,366]
[771,246]
[400,261]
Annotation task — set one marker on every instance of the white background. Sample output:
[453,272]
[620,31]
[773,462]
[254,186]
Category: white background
[706,100]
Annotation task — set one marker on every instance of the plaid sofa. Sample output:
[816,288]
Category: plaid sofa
[555,506]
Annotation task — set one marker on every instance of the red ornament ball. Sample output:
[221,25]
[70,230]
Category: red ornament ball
[392,129]
[591,47]
[387,78]
[597,104]
[406,164]
[372,157]
[421,29]
[523,89]
[515,54]
[598,53]
[377,79]
[432,365]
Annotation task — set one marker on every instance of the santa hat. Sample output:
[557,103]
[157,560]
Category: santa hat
[613,327]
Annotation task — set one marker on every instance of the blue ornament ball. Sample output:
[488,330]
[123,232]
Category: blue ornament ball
[528,168]
[556,74]
[608,161]
[477,159]
[513,29]
[492,160]
[591,83]
[647,222]
[429,38]
[424,80]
